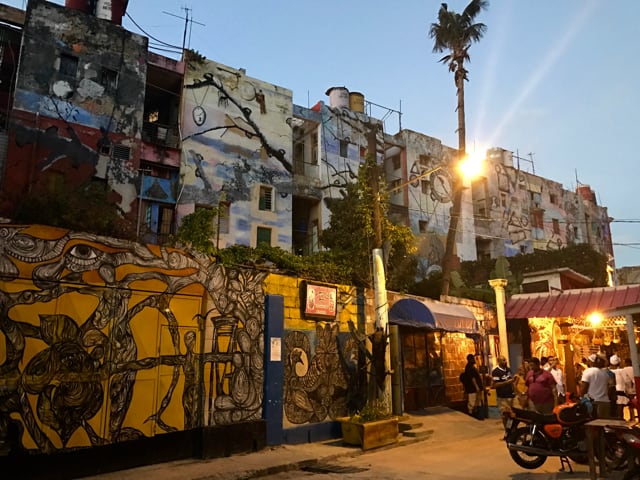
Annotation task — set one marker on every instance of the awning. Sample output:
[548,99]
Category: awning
[571,303]
[410,312]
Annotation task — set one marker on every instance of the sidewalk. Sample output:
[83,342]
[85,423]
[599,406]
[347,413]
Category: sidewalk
[428,423]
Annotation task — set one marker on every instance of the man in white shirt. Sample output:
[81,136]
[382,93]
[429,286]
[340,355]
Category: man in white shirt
[558,376]
[595,383]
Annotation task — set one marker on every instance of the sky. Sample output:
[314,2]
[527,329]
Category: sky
[556,82]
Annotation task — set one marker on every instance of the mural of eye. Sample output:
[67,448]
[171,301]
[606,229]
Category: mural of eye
[82,257]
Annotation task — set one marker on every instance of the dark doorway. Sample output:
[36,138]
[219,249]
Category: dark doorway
[423,376]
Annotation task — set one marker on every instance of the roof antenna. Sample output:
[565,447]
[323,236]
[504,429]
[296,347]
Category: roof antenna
[188,23]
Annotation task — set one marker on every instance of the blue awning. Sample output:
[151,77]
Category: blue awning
[410,312]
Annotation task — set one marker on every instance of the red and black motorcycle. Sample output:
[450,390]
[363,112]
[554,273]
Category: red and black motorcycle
[533,437]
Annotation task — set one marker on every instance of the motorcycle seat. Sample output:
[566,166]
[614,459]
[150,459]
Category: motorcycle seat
[535,417]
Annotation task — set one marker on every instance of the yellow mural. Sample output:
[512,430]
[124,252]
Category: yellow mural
[104,340]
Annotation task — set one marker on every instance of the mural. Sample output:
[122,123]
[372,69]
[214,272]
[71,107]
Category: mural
[237,139]
[105,340]
[321,382]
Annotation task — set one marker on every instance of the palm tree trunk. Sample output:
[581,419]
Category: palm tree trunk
[456,205]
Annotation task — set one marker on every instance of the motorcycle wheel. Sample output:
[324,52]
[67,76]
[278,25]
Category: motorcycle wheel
[522,436]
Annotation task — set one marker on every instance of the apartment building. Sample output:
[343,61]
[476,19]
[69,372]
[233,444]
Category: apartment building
[85,101]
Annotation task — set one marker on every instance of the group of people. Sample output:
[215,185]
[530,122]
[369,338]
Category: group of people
[539,385]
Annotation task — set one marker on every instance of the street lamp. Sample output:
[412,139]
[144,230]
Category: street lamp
[469,166]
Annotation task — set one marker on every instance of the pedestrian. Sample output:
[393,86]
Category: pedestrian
[595,384]
[520,386]
[473,387]
[541,388]
[558,376]
[502,380]
[621,396]
[630,387]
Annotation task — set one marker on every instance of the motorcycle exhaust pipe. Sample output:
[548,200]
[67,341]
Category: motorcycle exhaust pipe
[536,451]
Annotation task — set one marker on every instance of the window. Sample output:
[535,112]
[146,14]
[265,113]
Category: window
[109,79]
[68,65]
[503,199]
[394,186]
[395,160]
[121,152]
[424,184]
[556,226]
[536,219]
[266,199]
[263,236]
[553,198]
[344,148]
[422,226]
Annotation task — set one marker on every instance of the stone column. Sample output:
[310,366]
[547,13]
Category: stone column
[498,285]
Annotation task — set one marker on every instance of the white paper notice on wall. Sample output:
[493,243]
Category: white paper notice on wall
[276,349]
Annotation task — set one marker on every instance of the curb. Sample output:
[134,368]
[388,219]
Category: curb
[301,464]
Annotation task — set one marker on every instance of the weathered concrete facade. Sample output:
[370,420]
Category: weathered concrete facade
[236,152]
[517,212]
[79,98]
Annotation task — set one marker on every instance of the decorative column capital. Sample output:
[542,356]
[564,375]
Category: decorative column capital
[498,283]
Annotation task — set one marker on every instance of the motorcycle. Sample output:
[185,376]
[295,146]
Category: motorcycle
[532,437]
[630,437]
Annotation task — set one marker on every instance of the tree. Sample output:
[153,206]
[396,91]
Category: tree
[455,32]
[351,234]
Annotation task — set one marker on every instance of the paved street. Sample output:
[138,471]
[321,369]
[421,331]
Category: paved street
[468,450]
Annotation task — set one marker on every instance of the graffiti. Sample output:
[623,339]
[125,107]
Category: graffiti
[88,321]
[60,147]
[243,123]
[517,226]
[316,386]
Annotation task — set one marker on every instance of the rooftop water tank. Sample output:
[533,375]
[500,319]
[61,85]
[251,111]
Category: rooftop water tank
[356,102]
[338,97]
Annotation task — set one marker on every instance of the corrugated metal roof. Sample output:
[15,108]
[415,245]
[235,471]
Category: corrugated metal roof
[572,303]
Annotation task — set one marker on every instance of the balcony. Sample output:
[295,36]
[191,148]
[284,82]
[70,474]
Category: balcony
[163,135]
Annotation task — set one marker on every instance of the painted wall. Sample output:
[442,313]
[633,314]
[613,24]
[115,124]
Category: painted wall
[103,341]
[519,212]
[67,118]
[324,369]
[237,137]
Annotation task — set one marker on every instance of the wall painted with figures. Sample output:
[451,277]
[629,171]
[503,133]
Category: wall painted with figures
[325,368]
[105,341]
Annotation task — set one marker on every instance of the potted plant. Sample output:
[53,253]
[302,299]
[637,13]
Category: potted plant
[371,427]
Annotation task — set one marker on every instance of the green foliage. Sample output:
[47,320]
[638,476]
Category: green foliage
[351,233]
[87,208]
[372,411]
[581,258]
[196,230]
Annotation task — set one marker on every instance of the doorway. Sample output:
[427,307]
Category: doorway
[423,375]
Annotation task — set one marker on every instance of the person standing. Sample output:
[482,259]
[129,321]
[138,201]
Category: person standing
[621,396]
[558,376]
[472,383]
[503,381]
[541,388]
[595,384]
[629,386]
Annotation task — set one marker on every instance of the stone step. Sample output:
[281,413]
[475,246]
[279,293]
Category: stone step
[404,426]
[419,433]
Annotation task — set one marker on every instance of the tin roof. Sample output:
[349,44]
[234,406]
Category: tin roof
[571,303]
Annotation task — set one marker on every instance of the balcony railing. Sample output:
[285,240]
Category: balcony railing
[160,134]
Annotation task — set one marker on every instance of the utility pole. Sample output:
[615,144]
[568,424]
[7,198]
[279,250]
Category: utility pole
[379,277]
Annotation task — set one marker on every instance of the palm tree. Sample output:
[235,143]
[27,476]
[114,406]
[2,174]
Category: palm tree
[455,32]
